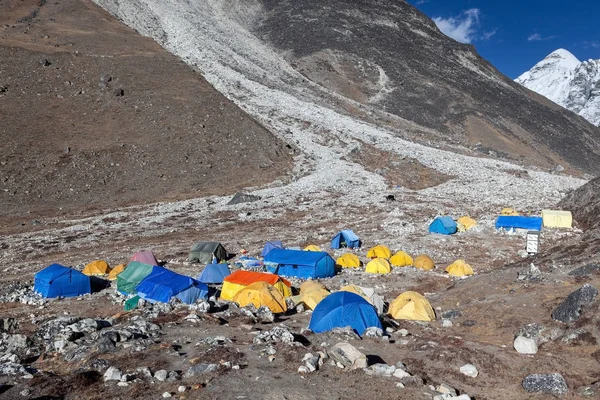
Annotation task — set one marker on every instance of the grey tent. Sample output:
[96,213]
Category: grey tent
[203,252]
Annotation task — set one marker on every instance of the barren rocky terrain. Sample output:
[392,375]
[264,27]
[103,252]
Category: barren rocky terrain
[313,170]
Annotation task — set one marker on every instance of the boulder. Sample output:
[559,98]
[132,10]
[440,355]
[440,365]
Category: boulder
[161,375]
[525,345]
[200,369]
[553,384]
[469,370]
[113,374]
[380,370]
[570,309]
[348,356]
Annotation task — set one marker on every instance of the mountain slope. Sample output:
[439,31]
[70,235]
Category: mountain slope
[562,78]
[93,115]
[384,63]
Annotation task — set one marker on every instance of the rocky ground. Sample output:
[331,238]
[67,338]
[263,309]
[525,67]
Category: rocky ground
[506,322]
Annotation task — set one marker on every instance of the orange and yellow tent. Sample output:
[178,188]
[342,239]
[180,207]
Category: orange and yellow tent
[239,279]
[261,294]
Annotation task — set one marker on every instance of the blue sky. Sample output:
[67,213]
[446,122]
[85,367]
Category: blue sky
[515,35]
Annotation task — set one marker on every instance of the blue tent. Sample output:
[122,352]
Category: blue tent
[519,222]
[341,309]
[300,264]
[275,244]
[345,238]
[214,273]
[59,281]
[162,284]
[443,225]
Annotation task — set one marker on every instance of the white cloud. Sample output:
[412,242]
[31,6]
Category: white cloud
[537,37]
[462,28]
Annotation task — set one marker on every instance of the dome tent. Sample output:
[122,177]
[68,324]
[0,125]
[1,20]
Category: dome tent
[112,275]
[424,262]
[214,273]
[342,309]
[239,279]
[348,260]
[261,294]
[401,259]
[146,257]
[98,267]
[411,306]
[378,266]
[459,268]
[443,225]
[380,251]
[345,238]
[275,244]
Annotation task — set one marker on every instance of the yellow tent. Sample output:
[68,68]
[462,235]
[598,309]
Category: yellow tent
[240,279]
[459,268]
[424,262]
[116,271]
[98,267]
[312,247]
[509,211]
[411,306]
[311,294]
[348,260]
[557,219]
[380,251]
[465,223]
[401,259]
[261,294]
[378,266]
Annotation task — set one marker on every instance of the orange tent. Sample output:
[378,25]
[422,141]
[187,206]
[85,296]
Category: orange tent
[239,279]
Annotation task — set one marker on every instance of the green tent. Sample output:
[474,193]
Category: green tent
[131,303]
[203,252]
[132,276]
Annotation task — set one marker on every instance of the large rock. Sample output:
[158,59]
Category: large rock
[200,369]
[525,345]
[570,309]
[239,198]
[8,324]
[113,374]
[545,383]
[348,356]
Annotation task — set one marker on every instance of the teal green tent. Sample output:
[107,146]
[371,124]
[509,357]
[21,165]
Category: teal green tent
[131,303]
[134,273]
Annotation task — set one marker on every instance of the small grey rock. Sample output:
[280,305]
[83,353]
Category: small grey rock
[524,345]
[161,375]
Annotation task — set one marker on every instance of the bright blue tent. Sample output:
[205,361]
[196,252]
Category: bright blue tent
[59,281]
[214,273]
[443,225]
[300,264]
[345,238]
[162,284]
[341,309]
[519,222]
[275,244]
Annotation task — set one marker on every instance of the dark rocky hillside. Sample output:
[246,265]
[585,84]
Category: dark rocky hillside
[388,55]
[93,115]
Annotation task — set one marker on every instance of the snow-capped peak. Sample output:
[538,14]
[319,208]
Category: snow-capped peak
[562,78]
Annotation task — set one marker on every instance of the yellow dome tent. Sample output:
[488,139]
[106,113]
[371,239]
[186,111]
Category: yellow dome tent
[98,267]
[311,294]
[261,294]
[459,268]
[379,251]
[509,212]
[116,271]
[378,266]
[411,306]
[465,223]
[348,260]
[424,262]
[401,259]
[368,294]
[312,247]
